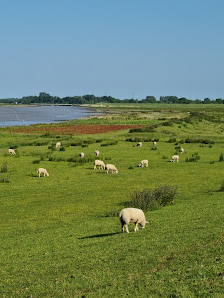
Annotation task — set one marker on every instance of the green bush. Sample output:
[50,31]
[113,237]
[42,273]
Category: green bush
[149,199]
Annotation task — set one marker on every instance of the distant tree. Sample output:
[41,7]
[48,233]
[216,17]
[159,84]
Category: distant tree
[169,99]
[197,101]
[184,100]
[219,100]
[207,100]
[149,99]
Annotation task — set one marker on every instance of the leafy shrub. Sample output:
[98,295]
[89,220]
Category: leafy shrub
[4,167]
[107,158]
[149,199]
[154,148]
[221,157]
[62,149]
[84,145]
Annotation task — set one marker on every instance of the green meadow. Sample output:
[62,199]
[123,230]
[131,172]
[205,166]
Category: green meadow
[61,235]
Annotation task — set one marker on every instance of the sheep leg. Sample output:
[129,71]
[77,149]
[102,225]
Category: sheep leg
[136,227]
[126,227]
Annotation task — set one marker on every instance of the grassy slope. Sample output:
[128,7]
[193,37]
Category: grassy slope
[57,240]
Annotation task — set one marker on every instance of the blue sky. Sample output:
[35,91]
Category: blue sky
[122,48]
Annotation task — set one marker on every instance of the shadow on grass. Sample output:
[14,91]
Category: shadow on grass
[99,235]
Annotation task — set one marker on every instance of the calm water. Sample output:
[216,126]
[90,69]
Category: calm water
[13,116]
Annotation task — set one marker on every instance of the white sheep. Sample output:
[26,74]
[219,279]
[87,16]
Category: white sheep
[175,158]
[154,143]
[111,168]
[97,152]
[139,144]
[99,163]
[135,215]
[42,171]
[58,145]
[11,151]
[181,150]
[82,154]
[143,163]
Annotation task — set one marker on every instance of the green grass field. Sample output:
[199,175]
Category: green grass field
[60,235]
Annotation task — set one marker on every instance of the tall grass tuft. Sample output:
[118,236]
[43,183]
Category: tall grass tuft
[221,157]
[4,167]
[149,199]
[222,186]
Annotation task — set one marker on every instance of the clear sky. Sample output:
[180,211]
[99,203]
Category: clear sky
[121,48]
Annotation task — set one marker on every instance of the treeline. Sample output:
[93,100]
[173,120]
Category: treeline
[45,98]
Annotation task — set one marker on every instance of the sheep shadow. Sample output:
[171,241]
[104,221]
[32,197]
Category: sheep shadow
[99,235]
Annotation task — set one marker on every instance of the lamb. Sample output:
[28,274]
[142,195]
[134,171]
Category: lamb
[181,150]
[135,215]
[139,144]
[111,168]
[97,152]
[154,143]
[99,163]
[11,151]
[58,145]
[82,154]
[174,158]
[143,163]
[42,171]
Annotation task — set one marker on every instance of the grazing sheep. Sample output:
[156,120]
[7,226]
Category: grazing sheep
[139,144]
[154,143]
[42,171]
[111,168]
[97,152]
[99,163]
[181,150]
[58,145]
[143,163]
[174,158]
[135,215]
[81,155]
[11,151]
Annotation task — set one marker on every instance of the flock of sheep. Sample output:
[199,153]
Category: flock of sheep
[127,215]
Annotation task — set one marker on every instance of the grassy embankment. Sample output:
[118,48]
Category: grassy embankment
[60,236]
